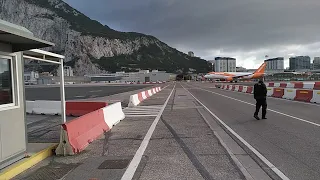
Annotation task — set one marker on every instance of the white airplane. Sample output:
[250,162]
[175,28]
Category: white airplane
[235,76]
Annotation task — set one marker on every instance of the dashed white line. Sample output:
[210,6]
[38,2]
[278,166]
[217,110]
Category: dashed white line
[95,91]
[257,153]
[137,157]
[79,96]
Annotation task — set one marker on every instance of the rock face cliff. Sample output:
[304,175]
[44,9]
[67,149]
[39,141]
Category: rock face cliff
[91,47]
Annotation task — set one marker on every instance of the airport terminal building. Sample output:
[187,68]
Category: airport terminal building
[143,76]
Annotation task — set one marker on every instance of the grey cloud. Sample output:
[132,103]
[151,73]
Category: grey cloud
[235,27]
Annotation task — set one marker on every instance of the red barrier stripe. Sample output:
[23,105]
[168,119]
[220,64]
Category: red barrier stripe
[316,86]
[283,85]
[147,94]
[278,92]
[249,89]
[140,96]
[85,129]
[271,84]
[240,88]
[298,85]
[304,95]
[82,108]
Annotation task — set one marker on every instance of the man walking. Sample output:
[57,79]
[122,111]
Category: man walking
[260,95]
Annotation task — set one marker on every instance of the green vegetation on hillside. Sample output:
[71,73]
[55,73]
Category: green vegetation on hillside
[151,57]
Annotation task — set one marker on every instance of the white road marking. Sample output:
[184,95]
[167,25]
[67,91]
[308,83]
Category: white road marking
[79,96]
[284,114]
[137,157]
[95,91]
[257,153]
[149,115]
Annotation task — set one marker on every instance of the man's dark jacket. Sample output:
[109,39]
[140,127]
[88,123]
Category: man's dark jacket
[260,91]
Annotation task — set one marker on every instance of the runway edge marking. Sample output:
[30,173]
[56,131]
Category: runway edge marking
[257,153]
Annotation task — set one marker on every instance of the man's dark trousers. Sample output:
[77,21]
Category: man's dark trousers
[263,103]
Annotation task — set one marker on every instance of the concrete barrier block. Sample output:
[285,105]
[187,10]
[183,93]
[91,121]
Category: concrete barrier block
[245,88]
[289,93]
[316,96]
[113,114]
[29,107]
[47,107]
[270,91]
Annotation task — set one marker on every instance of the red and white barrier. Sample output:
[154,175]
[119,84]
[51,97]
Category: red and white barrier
[236,88]
[276,85]
[316,96]
[283,85]
[240,88]
[245,88]
[81,108]
[297,85]
[54,107]
[308,85]
[304,95]
[136,99]
[289,94]
[316,86]
[290,85]
[270,84]
[78,133]
[278,92]
[270,91]
[250,89]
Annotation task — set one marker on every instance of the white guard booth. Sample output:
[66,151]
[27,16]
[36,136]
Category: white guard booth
[17,42]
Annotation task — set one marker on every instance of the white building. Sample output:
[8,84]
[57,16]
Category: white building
[68,71]
[190,53]
[241,69]
[225,64]
[316,63]
[31,77]
[132,77]
[275,64]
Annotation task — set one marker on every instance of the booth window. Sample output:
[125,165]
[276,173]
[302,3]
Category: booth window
[6,86]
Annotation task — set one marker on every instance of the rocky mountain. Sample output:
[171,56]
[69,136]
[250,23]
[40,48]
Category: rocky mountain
[91,47]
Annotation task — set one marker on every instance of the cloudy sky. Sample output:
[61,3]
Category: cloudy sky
[245,29]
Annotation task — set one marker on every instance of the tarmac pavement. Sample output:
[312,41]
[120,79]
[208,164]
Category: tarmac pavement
[183,145]
[289,138]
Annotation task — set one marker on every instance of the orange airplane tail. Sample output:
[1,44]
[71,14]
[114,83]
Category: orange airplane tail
[260,71]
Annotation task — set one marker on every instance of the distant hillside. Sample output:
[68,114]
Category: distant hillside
[91,47]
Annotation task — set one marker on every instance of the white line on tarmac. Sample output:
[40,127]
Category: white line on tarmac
[257,153]
[128,175]
[284,114]
[79,96]
[95,91]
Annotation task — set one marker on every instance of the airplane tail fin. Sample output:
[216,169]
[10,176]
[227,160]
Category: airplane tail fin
[261,69]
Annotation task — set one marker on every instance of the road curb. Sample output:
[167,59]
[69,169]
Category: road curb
[27,163]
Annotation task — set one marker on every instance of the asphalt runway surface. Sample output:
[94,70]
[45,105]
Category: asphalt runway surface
[289,138]
[77,91]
